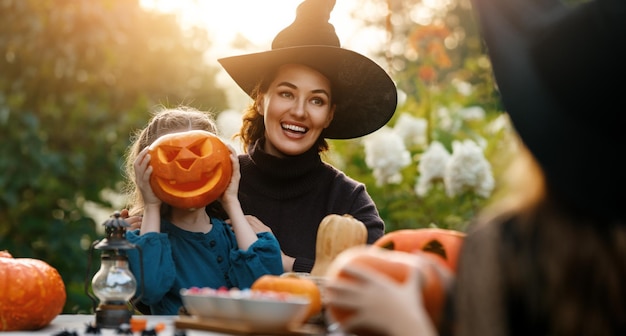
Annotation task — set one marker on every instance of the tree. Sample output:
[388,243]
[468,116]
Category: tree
[77,78]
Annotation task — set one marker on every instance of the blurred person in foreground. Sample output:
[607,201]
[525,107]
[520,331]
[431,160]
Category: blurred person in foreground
[550,258]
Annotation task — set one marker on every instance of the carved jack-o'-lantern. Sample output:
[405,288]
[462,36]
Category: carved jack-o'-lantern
[444,243]
[190,169]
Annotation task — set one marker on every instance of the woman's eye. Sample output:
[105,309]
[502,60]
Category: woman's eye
[318,101]
[286,94]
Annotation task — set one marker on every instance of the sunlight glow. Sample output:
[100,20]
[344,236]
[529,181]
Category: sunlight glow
[257,21]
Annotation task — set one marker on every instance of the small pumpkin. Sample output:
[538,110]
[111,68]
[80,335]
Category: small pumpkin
[32,293]
[293,285]
[397,265]
[335,234]
[442,242]
[190,169]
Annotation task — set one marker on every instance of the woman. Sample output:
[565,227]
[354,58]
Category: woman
[190,248]
[305,90]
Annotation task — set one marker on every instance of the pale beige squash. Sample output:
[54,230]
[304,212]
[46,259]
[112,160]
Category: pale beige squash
[335,234]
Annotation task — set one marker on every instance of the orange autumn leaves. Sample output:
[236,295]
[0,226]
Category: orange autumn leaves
[429,44]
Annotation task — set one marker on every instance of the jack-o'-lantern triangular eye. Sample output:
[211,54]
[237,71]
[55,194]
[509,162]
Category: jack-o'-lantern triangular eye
[197,147]
[436,247]
[169,153]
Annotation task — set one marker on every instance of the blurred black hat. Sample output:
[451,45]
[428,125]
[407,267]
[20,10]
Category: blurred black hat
[366,96]
[560,71]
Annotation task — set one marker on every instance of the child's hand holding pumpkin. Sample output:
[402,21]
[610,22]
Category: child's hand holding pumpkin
[231,193]
[379,304]
[143,170]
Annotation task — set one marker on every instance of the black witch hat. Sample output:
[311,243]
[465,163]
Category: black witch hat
[366,96]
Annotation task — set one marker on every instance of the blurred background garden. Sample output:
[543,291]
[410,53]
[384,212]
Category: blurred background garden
[78,77]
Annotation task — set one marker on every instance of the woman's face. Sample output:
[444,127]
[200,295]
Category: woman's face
[296,108]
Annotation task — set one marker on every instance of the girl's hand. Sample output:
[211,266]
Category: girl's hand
[230,195]
[381,303]
[143,170]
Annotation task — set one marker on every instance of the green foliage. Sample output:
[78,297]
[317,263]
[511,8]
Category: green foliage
[436,57]
[77,78]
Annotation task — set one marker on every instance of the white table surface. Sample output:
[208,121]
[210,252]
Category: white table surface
[78,325]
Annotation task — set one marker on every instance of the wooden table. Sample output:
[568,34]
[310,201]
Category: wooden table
[174,326]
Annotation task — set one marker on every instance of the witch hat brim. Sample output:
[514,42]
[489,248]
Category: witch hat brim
[552,64]
[365,94]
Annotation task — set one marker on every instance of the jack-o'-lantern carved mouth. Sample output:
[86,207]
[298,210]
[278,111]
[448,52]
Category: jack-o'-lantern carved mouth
[199,186]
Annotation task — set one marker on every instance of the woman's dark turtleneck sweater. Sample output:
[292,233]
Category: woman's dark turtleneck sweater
[292,195]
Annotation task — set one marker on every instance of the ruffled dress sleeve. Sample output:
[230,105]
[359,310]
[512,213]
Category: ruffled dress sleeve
[262,257]
[159,271]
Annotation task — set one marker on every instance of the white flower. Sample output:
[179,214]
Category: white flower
[463,87]
[228,124]
[468,169]
[431,167]
[472,113]
[386,155]
[446,120]
[412,130]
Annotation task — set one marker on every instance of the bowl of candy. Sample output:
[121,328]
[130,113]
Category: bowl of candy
[256,310]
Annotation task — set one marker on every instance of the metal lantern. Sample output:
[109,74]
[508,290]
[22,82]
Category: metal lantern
[114,285]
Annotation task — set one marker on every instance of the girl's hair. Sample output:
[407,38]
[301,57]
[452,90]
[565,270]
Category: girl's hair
[253,127]
[163,121]
[563,268]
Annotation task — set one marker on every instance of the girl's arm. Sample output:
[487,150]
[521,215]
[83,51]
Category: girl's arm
[230,201]
[151,221]
[258,226]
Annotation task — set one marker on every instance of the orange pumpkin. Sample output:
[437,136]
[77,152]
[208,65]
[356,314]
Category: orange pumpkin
[396,265]
[32,293]
[293,285]
[190,169]
[442,242]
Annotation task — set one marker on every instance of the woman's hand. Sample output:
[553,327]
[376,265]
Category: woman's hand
[381,303]
[255,223]
[134,221]
[258,226]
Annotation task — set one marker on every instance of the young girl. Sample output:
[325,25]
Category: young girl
[183,248]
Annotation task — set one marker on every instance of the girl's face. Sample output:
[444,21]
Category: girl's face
[296,109]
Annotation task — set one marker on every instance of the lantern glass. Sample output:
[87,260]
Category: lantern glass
[114,283]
